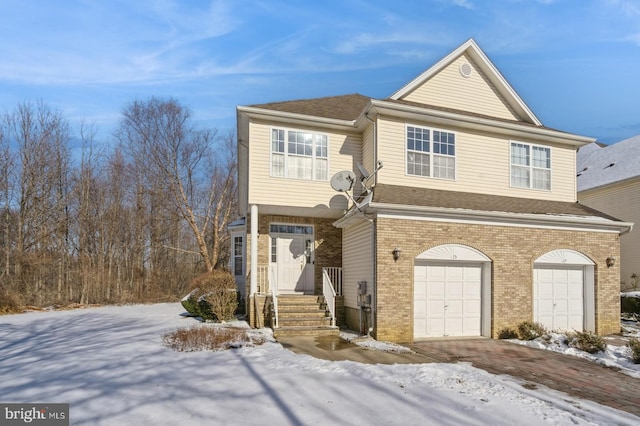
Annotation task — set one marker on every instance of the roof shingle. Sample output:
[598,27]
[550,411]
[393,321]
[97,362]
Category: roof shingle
[345,107]
[411,196]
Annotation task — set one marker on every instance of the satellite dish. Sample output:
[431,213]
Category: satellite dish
[343,181]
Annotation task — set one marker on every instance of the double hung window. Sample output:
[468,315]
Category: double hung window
[530,166]
[299,155]
[431,153]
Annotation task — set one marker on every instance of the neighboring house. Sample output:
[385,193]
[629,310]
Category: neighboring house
[470,226]
[609,180]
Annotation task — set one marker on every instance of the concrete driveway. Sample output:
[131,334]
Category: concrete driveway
[572,375]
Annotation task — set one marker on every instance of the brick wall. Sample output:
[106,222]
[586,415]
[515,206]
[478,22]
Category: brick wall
[512,251]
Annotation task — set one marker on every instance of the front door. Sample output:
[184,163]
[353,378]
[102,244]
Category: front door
[292,263]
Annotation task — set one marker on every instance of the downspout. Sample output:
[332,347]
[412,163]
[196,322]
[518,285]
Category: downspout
[254,250]
[374,284]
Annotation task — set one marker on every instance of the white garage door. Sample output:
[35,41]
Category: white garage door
[558,297]
[447,300]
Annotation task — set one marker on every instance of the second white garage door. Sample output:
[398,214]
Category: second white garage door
[447,300]
[558,297]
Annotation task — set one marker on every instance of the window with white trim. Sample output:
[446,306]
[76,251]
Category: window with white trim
[530,166]
[299,155]
[431,153]
[237,256]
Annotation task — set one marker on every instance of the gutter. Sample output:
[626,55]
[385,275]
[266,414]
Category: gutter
[288,116]
[466,121]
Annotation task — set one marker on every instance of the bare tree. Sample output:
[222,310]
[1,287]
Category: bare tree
[42,226]
[187,166]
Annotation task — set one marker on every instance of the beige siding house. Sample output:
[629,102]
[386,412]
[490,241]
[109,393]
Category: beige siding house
[609,180]
[446,209]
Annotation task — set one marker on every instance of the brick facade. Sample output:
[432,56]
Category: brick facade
[512,251]
[327,249]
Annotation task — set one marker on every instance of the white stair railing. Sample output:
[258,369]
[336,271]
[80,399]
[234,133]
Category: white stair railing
[335,274]
[329,294]
[273,284]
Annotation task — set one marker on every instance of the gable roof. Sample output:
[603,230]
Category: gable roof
[599,166]
[472,50]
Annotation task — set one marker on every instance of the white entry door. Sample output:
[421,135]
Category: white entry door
[447,300]
[558,297]
[293,263]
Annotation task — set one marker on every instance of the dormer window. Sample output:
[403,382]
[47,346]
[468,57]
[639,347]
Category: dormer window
[431,153]
[530,166]
[299,154]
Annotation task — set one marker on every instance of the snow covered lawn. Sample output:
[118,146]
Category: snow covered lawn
[110,365]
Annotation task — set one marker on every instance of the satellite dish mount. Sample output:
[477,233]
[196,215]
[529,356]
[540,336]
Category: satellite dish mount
[365,175]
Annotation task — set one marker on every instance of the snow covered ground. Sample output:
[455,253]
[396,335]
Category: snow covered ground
[110,365]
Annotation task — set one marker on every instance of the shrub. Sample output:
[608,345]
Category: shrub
[529,330]
[199,338]
[190,303]
[218,298]
[634,346]
[586,341]
[507,333]
[9,304]
[629,304]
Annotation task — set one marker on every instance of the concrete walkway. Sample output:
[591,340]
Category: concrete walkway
[574,376]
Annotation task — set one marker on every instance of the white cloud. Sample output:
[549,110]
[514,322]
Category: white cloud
[464,3]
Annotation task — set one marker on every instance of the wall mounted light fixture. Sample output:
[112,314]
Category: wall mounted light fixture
[396,253]
[611,260]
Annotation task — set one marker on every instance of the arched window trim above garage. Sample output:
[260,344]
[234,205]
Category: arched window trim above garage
[564,257]
[453,252]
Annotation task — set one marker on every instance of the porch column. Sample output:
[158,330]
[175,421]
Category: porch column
[254,250]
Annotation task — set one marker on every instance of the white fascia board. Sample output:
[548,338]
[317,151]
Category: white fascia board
[447,118]
[289,117]
[440,214]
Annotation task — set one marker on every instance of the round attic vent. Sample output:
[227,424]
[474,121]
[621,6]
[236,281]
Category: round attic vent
[466,70]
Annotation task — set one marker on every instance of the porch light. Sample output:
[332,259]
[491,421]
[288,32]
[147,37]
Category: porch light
[611,260]
[396,253]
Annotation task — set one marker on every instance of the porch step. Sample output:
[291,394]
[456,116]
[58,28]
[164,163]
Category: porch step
[305,331]
[303,315]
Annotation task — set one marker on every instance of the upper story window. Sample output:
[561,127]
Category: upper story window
[299,155]
[530,166]
[431,153]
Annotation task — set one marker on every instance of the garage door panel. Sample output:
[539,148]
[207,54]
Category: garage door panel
[435,290]
[472,291]
[472,274]
[544,290]
[435,308]
[471,326]
[435,327]
[575,290]
[454,290]
[472,308]
[560,290]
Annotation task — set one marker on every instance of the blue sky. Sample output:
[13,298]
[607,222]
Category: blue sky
[576,63]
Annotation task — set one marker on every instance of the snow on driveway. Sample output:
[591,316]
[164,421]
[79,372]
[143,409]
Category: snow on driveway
[110,365]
